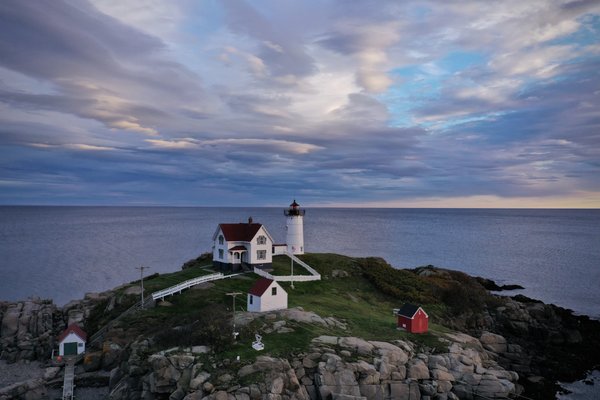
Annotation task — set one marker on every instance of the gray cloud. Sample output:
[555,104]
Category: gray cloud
[337,101]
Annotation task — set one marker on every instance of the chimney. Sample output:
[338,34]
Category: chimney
[250,220]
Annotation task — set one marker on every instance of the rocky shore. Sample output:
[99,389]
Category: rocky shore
[513,346]
[334,367]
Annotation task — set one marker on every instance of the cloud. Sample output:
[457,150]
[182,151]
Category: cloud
[133,126]
[375,102]
[541,63]
[279,50]
[95,72]
[266,144]
[367,44]
[173,144]
[74,146]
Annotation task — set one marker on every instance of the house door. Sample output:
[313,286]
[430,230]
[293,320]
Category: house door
[70,349]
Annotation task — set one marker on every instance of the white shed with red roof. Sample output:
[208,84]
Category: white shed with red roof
[267,295]
[71,341]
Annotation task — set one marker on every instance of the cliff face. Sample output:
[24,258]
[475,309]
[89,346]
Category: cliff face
[28,329]
[334,367]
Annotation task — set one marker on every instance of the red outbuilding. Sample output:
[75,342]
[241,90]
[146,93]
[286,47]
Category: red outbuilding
[412,318]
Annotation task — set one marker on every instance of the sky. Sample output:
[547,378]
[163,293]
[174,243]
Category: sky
[331,102]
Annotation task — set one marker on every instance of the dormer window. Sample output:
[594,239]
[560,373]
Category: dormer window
[221,239]
[261,240]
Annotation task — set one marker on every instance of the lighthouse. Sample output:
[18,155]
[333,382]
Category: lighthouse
[294,226]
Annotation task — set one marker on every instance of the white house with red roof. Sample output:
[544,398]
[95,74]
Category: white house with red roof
[266,295]
[71,341]
[242,245]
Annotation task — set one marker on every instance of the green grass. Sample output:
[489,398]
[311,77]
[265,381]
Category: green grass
[282,266]
[352,299]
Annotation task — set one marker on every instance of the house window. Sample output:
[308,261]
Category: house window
[80,344]
[274,291]
[261,254]
[221,239]
[251,299]
[261,240]
[221,254]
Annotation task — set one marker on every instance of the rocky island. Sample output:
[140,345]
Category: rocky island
[338,340]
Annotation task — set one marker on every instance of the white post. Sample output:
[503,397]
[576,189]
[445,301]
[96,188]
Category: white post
[292,260]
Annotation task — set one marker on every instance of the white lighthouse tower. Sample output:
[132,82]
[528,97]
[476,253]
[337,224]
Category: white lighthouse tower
[295,228]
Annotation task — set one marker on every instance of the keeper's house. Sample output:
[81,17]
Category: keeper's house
[71,341]
[242,246]
[412,318]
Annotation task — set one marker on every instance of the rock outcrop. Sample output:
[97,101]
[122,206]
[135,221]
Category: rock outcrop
[335,367]
[28,329]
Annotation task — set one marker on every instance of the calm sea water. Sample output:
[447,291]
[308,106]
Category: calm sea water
[63,252]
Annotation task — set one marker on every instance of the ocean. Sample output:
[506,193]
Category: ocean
[63,252]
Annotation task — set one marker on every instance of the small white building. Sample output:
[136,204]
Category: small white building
[242,245]
[71,341]
[267,295]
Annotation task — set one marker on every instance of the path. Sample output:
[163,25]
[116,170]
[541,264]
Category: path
[69,380]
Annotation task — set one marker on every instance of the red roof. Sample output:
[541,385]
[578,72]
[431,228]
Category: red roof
[260,286]
[294,204]
[75,329]
[241,232]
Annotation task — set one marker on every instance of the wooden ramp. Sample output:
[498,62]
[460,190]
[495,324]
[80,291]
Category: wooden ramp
[161,294]
[69,380]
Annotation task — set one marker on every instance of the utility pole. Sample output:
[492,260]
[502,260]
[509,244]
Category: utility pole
[233,294]
[142,268]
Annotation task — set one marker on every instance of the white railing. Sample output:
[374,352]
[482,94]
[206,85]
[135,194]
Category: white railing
[305,265]
[297,278]
[161,294]
[291,278]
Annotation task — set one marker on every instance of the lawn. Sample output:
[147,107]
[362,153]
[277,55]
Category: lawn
[282,265]
[348,297]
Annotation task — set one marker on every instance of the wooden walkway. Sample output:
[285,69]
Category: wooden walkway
[69,380]
[161,294]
